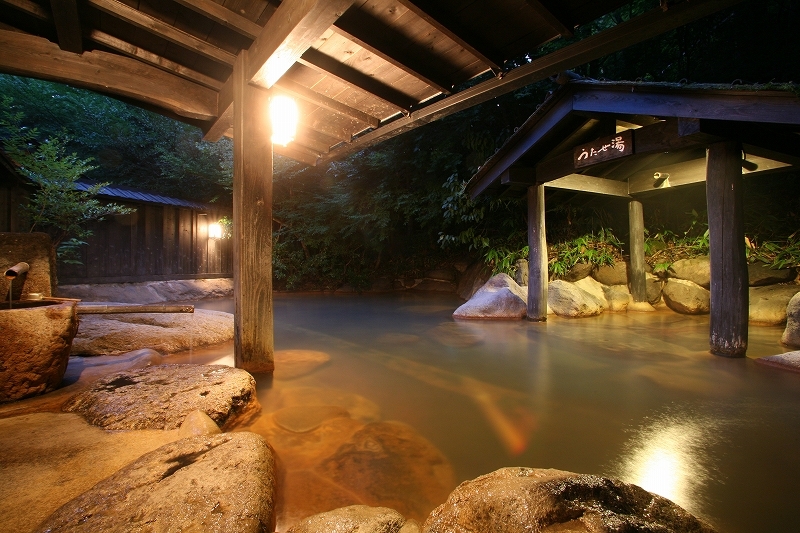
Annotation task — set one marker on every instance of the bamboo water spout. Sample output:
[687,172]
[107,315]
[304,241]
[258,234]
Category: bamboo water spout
[17,270]
[132,308]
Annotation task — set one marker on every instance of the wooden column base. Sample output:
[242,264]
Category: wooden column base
[537,258]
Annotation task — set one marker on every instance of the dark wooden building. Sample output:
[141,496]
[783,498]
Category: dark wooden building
[634,140]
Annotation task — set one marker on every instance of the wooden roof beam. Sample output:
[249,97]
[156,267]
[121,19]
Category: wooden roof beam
[68,25]
[313,97]
[553,17]
[131,50]
[297,153]
[292,29]
[30,8]
[163,30]
[348,75]
[385,42]
[636,30]
[434,16]
[224,16]
[36,57]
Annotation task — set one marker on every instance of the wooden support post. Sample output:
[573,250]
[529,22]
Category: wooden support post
[729,280]
[537,258]
[636,276]
[252,224]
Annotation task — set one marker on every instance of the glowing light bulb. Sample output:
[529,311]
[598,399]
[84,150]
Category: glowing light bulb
[283,114]
[214,231]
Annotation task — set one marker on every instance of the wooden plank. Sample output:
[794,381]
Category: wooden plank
[637,277]
[163,30]
[222,15]
[168,242]
[252,224]
[590,184]
[184,248]
[297,25]
[135,279]
[31,8]
[156,60]
[354,78]
[729,279]
[519,176]
[559,22]
[68,25]
[28,55]
[638,29]
[685,173]
[437,18]
[311,96]
[537,259]
[603,149]
[297,153]
[391,46]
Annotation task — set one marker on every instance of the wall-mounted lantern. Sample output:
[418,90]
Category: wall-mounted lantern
[214,231]
[284,115]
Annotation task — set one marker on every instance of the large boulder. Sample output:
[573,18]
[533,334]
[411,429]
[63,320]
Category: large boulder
[653,284]
[150,292]
[791,335]
[35,347]
[596,289]
[472,279]
[616,274]
[521,272]
[768,303]
[579,271]
[530,500]
[618,297]
[164,332]
[218,483]
[697,270]
[160,397]
[760,274]
[352,519]
[567,299]
[786,361]
[686,297]
[499,298]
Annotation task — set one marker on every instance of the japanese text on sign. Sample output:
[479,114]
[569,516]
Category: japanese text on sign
[604,149]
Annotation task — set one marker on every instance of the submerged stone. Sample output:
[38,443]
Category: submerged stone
[221,483]
[198,423]
[357,406]
[303,418]
[290,364]
[352,519]
[531,500]
[160,397]
[786,361]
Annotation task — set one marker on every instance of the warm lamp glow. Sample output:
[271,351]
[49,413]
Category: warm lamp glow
[214,231]
[283,114]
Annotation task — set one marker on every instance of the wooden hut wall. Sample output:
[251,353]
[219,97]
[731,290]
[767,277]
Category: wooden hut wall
[157,242]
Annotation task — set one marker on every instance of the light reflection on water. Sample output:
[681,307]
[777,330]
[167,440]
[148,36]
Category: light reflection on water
[633,396]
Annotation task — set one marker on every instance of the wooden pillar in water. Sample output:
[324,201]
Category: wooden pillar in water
[537,258]
[729,280]
[252,224]
[636,276]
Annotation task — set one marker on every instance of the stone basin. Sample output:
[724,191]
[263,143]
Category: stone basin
[34,352]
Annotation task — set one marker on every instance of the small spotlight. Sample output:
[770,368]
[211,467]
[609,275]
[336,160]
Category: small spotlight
[214,231]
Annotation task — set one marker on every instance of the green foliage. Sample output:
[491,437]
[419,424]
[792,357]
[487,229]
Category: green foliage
[776,254]
[664,247]
[56,206]
[600,249]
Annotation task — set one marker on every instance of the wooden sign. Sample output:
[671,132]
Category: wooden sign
[604,149]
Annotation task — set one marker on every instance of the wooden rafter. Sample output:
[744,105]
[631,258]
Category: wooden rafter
[222,15]
[298,153]
[163,30]
[31,8]
[153,59]
[344,73]
[311,96]
[385,42]
[28,55]
[297,25]
[68,25]
[428,11]
[559,22]
[641,28]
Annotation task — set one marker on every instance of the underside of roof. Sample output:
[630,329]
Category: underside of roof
[628,139]
[361,70]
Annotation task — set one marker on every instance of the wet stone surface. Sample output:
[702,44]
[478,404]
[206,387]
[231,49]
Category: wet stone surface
[160,397]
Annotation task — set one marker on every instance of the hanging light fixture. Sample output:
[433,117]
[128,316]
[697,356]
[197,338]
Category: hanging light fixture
[283,114]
